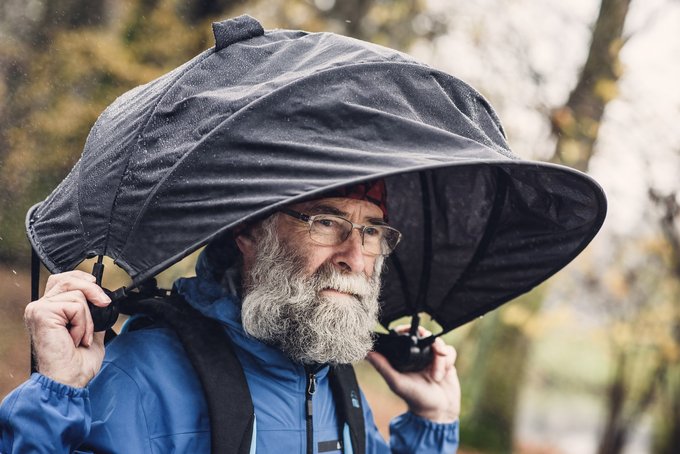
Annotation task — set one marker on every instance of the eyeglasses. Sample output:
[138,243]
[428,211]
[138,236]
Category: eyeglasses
[331,230]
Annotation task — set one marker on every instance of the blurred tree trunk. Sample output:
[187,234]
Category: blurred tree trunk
[614,433]
[576,126]
[667,423]
[577,123]
[620,417]
[491,399]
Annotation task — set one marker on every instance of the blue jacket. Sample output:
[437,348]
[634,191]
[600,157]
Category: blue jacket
[147,398]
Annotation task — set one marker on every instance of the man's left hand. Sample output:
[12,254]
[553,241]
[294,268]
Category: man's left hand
[432,393]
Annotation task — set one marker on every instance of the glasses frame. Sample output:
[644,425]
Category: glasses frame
[309,220]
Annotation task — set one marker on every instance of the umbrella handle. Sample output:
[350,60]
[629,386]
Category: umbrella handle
[406,353]
[103,317]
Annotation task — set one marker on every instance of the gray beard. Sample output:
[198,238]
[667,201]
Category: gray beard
[283,307]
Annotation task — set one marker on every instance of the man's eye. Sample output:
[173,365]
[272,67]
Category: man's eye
[372,231]
[328,223]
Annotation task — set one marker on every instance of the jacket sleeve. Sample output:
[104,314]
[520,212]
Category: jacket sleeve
[44,416]
[118,417]
[410,434]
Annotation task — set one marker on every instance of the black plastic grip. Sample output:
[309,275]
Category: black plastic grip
[104,317]
[406,353]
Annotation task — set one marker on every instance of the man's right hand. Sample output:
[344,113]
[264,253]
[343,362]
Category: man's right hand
[65,346]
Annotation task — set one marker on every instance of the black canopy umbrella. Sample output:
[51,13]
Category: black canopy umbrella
[265,119]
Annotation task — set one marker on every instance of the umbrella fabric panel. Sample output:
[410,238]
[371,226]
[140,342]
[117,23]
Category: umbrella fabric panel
[532,239]
[522,237]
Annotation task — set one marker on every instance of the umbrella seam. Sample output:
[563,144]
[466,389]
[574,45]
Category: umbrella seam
[490,146]
[80,215]
[426,265]
[489,230]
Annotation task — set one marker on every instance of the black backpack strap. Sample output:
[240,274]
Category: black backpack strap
[35,294]
[210,351]
[347,397]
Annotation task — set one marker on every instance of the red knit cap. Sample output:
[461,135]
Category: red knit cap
[371,191]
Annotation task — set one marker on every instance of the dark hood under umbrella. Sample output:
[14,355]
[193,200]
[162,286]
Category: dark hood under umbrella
[265,119]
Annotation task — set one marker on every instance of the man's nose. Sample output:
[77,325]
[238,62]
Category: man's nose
[350,256]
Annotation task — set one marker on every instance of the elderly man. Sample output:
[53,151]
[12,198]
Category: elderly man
[309,299]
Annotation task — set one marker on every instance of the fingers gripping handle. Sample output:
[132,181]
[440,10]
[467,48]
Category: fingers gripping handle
[103,317]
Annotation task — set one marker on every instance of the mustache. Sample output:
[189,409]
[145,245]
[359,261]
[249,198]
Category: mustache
[328,277]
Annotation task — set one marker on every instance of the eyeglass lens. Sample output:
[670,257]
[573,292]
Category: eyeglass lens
[333,230]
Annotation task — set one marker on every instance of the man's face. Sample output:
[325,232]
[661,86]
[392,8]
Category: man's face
[347,257]
[317,302]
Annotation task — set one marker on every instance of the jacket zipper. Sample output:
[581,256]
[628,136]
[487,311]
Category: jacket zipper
[311,389]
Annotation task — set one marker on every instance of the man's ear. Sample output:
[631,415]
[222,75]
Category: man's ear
[245,243]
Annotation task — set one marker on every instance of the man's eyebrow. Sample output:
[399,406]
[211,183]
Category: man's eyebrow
[377,221]
[329,209]
[326,209]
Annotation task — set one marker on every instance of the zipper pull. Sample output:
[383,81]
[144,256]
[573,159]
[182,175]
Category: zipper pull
[311,388]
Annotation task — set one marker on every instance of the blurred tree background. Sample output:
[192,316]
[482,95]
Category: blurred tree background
[588,362]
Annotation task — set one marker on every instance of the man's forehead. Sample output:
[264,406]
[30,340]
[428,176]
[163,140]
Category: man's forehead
[341,206]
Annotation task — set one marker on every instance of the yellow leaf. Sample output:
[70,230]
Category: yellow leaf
[606,89]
